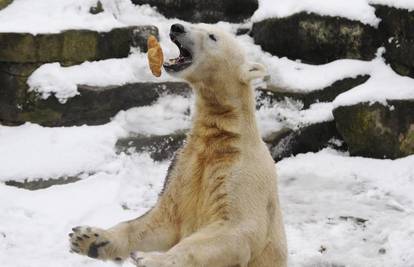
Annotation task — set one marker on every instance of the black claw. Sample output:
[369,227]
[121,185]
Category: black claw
[96,235]
[76,229]
[75,244]
[71,234]
[93,249]
[85,236]
[79,238]
[118,259]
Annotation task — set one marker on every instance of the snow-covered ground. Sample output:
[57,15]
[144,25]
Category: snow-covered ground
[339,210]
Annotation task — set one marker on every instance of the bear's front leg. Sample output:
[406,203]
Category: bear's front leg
[216,245]
[97,243]
[151,232]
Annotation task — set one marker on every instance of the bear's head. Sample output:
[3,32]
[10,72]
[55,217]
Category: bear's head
[208,53]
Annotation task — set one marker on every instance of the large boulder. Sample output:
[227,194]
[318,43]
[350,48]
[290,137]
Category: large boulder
[376,130]
[397,31]
[274,94]
[72,46]
[310,138]
[5,3]
[208,11]
[316,39]
[94,105]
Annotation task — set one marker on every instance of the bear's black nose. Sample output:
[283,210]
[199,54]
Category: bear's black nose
[177,28]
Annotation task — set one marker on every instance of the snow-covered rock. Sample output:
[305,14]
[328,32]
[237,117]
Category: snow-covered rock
[397,30]
[316,39]
[378,130]
[210,11]
[92,105]
[71,46]
[327,94]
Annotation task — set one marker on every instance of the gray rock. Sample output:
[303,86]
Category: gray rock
[397,31]
[209,11]
[378,131]
[72,46]
[42,183]
[94,105]
[316,39]
[311,138]
[97,8]
[159,147]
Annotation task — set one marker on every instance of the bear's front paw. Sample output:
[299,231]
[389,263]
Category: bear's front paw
[92,242]
[153,259]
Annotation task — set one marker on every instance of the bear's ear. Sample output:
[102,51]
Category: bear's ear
[252,70]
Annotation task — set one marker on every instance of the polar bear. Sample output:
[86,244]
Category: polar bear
[219,206]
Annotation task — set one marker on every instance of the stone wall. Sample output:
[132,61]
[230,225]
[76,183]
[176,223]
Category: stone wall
[23,53]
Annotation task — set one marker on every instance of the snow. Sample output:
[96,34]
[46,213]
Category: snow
[294,76]
[403,4]
[322,195]
[168,115]
[352,9]
[62,82]
[36,223]
[50,16]
[289,114]
[31,151]
[359,10]
[80,150]
[383,85]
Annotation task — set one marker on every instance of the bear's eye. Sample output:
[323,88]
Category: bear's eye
[212,37]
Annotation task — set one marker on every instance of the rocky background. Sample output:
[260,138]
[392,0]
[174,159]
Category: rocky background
[87,132]
[363,129]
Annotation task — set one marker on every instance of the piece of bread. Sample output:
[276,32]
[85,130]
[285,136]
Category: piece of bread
[155,56]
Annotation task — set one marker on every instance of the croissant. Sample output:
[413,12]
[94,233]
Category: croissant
[155,56]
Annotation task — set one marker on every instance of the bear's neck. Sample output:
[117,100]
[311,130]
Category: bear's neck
[225,109]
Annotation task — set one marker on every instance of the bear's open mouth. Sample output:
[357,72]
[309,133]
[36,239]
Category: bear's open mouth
[182,62]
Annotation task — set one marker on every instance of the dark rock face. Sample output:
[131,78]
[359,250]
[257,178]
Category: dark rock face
[208,11]
[397,31]
[316,39]
[310,138]
[72,46]
[21,54]
[13,88]
[92,106]
[376,130]
[327,94]
[159,147]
